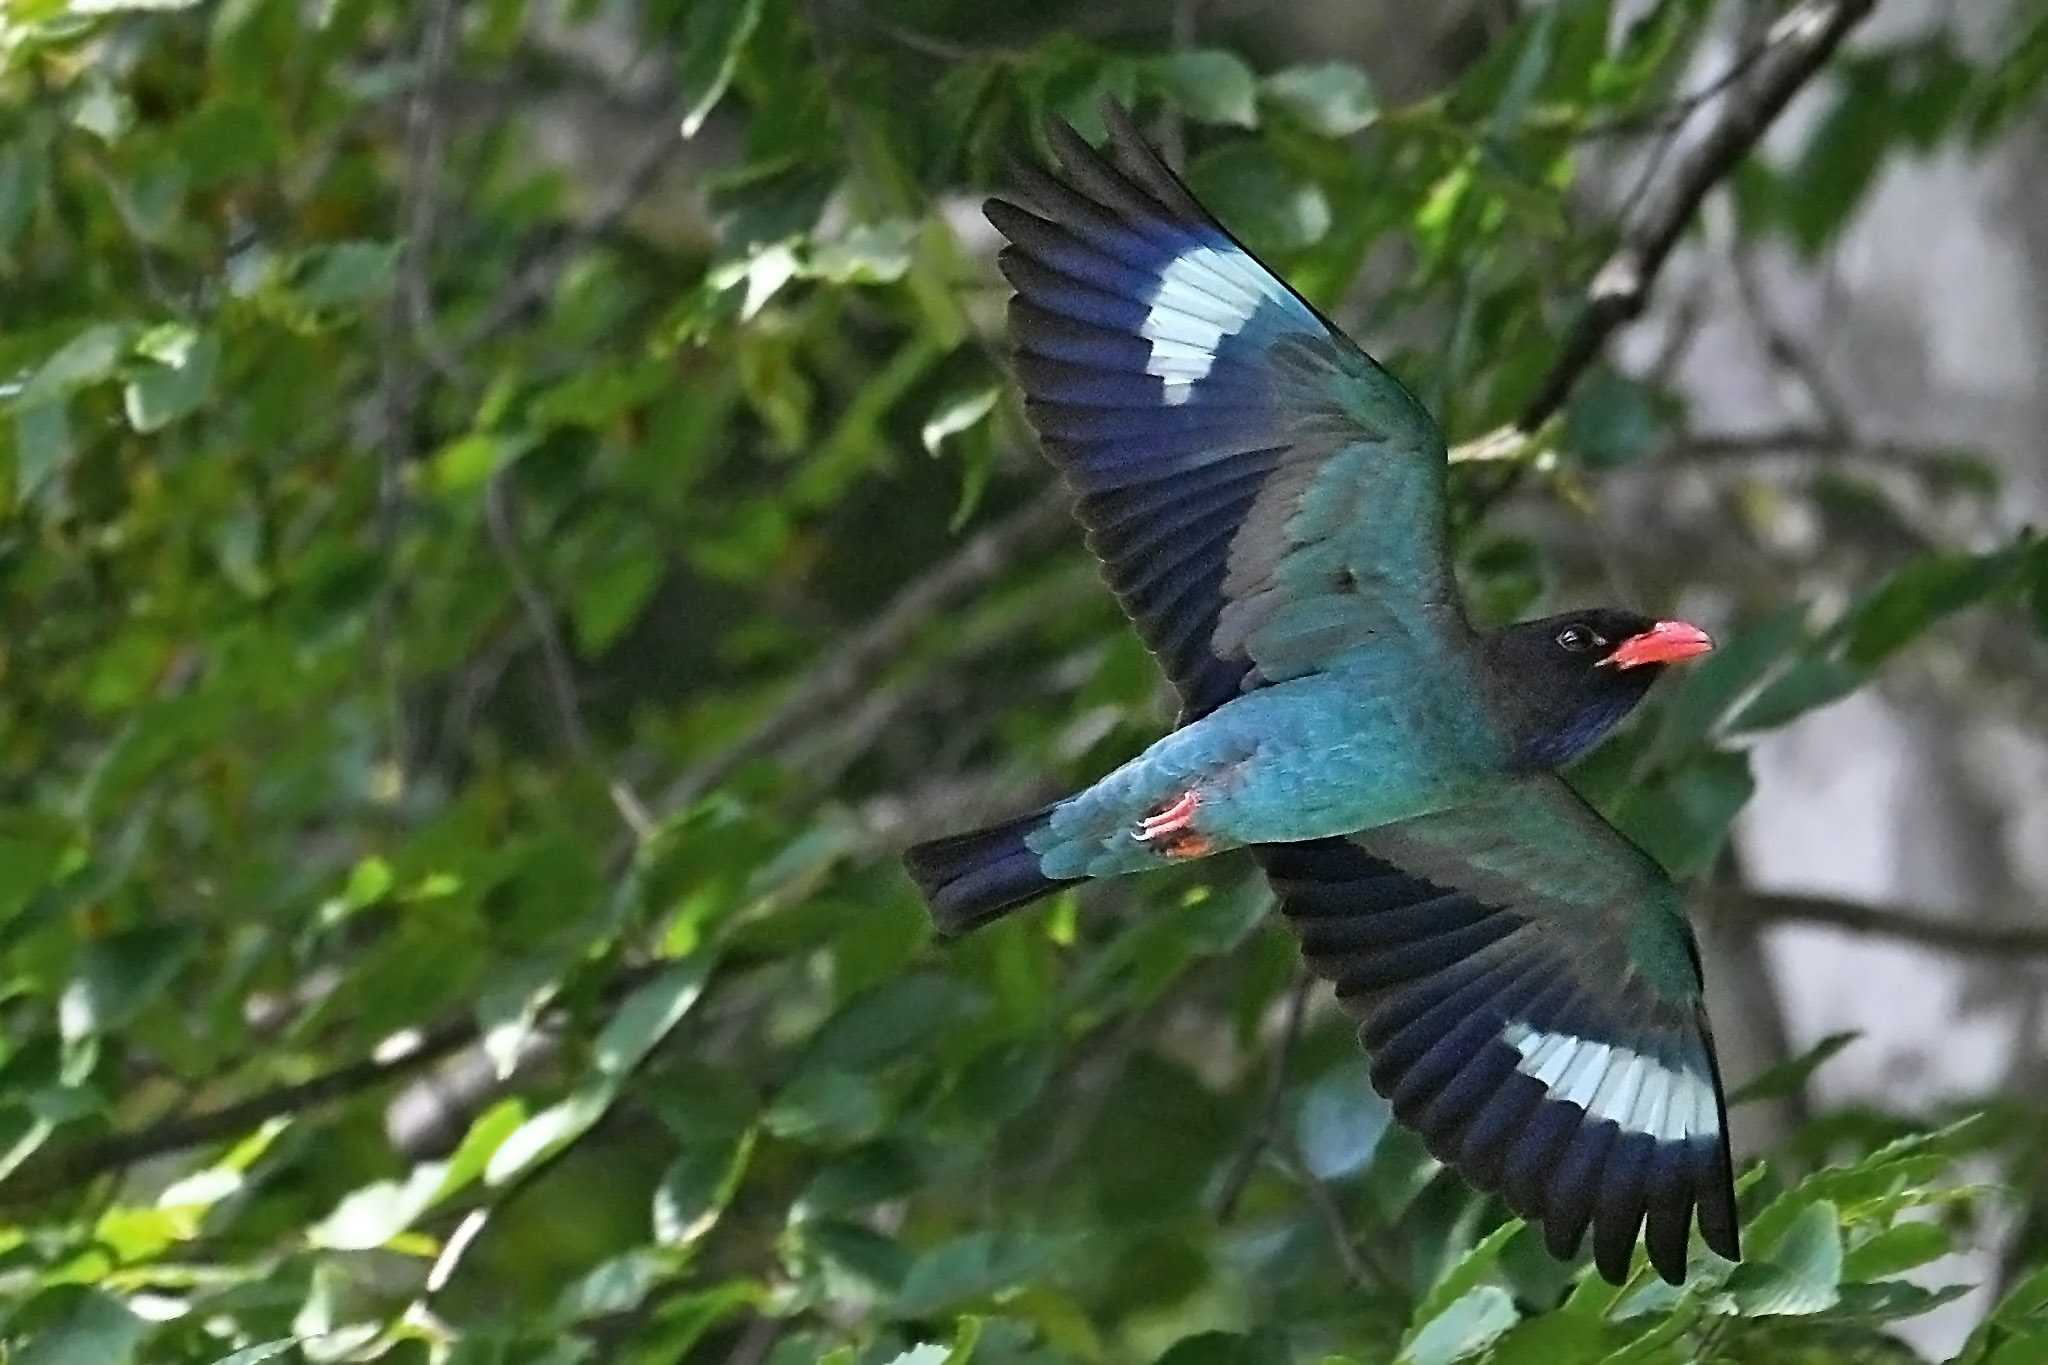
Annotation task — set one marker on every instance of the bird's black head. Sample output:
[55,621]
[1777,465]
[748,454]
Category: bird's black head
[1565,680]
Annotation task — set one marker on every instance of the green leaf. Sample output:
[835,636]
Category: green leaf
[1461,1278]
[1341,1123]
[976,1266]
[866,253]
[610,595]
[697,1186]
[1711,688]
[1209,85]
[468,462]
[2015,1330]
[958,414]
[1613,420]
[827,1107]
[1548,1340]
[1790,1076]
[924,1353]
[1225,1348]
[899,1018]
[1806,686]
[75,1325]
[1463,1329]
[1803,1273]
[1259,199]
[1682,816]
[1335,99]
[119,976]
[612,1287]
[371,1216]
[42,434]
[345,273]
[547,1133]
[713,37]
[259,1353]
[648,1014]
[88,358]
[1921,594]
[165,389]
[20,184]
[1898,1248]
[1841,158]
[487,1132]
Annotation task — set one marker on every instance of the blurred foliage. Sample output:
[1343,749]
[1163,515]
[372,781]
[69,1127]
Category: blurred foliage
[396,503]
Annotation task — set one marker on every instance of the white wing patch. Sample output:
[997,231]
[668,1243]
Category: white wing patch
[1204,295]
[1637,1091]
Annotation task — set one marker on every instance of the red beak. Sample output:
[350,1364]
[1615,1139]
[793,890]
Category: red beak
[1667,642]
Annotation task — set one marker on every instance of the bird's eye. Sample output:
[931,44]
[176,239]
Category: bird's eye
[1576,639]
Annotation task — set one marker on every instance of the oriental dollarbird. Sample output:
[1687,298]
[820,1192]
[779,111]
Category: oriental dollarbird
[1268,506]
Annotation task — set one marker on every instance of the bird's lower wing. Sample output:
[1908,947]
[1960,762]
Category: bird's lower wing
[1529,996]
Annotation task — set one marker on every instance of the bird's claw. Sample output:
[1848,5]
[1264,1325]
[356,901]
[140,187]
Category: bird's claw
[1170,828]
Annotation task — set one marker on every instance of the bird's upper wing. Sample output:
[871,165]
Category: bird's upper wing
[1529,992]
[1263,496]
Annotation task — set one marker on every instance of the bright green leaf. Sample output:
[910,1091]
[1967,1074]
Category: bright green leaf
[697,1186]
[160,393]
[1462,1330]
[957,414]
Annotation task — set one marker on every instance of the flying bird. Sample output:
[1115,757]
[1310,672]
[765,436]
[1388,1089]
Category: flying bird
[1269,508]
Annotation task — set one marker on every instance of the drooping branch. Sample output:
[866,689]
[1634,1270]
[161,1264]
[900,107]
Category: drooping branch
[885,822]
[1795,49]
[47,1172]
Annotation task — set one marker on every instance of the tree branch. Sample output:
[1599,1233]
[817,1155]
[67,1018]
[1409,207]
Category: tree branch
[1796,47]
[1970,936]
[47,1172]
[1814,443]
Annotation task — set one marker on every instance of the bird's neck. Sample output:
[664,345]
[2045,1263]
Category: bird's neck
[1547,741]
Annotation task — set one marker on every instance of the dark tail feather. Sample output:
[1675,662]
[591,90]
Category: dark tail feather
[970,879]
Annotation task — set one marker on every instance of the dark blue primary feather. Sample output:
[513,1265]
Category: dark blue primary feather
[1546,1039]
[1171,376]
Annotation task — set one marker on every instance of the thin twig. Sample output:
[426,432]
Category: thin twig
[399,378]
[1183,25]
[555,664]
[1240,1174]
[1669,117]
[1784,349]
[849,668]
[539,275]
[1360,1265]
[928,44]
[1797,46]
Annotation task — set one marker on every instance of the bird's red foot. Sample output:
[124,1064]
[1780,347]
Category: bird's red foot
[1170,827]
